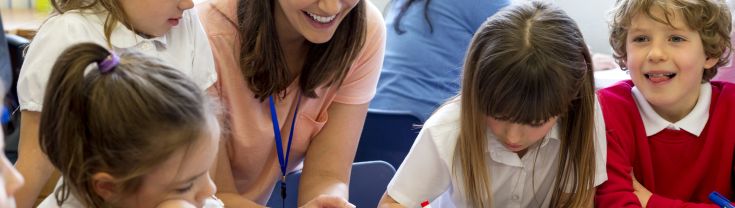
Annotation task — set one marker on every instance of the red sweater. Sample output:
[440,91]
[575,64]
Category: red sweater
[680,169]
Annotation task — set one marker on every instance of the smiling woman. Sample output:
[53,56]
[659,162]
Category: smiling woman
[307,67]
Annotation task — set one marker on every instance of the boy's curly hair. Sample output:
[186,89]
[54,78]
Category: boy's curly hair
[711,18]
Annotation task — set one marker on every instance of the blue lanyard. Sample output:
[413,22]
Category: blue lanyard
[283,161]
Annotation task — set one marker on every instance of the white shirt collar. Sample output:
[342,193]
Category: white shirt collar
[693,122]
[502,154]
[122,37]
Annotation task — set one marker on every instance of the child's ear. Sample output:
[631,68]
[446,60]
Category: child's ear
[104,185]
[710,62]
[623,60]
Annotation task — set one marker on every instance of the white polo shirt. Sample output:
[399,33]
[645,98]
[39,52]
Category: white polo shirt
[693,122]
[185,47]
[426,173]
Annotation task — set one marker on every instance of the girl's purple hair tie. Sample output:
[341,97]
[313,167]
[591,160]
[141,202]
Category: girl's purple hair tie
[109,63]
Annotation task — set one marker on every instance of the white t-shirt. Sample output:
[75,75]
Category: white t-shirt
[185,47]
[426,173]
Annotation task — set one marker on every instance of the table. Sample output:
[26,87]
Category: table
[605,78]
[22,22]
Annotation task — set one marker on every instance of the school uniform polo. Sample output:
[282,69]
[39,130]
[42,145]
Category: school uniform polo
[250,140]
[679,162]
[427,172]
[692,123]
[185,47]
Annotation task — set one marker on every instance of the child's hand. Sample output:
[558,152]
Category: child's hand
[325,201]
[641,192]
[178,203]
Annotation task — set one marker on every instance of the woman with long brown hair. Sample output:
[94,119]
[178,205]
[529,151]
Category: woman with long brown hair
[525,131]
[295,77]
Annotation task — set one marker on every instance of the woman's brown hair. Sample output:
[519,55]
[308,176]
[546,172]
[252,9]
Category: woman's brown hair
[710,18]
[122,122]
[527,64]
[262,59]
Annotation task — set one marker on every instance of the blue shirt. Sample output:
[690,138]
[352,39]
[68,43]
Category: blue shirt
[422,68]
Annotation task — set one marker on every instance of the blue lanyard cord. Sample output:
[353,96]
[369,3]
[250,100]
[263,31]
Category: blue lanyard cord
[283,162]
[277,132]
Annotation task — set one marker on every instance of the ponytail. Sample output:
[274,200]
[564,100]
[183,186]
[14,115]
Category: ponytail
[66,85]
[119,115]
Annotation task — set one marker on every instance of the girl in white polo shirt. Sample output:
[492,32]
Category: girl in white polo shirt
[525,131]
[166,29]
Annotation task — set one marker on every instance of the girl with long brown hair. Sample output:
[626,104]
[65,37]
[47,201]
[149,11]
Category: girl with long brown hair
[298,72]
[126,131]
[525,131]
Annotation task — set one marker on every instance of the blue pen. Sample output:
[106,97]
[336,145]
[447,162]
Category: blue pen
[720,200]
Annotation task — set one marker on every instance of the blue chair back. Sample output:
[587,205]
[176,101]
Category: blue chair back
[292,193]
[11,58]
[388,136]
[368,182]
[6,72]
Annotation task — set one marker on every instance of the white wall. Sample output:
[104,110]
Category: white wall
[591,16]
[381,4]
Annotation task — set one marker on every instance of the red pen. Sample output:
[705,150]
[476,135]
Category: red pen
[425,204]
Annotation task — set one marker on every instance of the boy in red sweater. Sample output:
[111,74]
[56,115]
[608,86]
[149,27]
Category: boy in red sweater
[669,134]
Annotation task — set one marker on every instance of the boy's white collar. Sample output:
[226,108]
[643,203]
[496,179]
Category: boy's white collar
[693,122]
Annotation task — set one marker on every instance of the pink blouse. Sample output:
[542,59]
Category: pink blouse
[249,131]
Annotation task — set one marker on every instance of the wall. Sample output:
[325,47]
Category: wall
[591,16]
